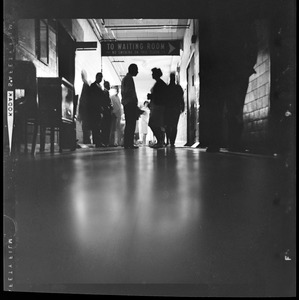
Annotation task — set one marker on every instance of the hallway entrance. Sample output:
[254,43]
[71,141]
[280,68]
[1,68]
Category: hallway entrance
[192,111]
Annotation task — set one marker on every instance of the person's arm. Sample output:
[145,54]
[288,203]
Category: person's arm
[182,102]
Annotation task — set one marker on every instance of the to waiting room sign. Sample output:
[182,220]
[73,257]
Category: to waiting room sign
[136,48]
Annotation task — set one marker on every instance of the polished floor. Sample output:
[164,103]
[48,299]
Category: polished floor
[156,222]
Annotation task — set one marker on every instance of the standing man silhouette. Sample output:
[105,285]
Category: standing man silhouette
[95,109]
[175,105]
[82,109]
[129,102]
[115,133]
[107,119]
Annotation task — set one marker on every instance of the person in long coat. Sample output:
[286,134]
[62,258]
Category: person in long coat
[95,109]
[83,117]
[157,108]
[175,105]
[107,118]
[115,133]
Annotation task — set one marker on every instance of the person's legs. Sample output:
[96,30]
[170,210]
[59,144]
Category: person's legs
[155,131]
[173,128]
[168,134]
[112,131]
[106,128]
[167,126]
[156,123]
[102,132]
[117,137]
[167,130]
[95,133]
[144,139]
[130,116]
[86,132]
[159,135]
[163,136]
[172,135]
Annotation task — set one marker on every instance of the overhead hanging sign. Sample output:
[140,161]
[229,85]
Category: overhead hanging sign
[86,45]
[136,48]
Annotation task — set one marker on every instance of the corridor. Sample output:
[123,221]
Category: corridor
[215,217]
[178,222]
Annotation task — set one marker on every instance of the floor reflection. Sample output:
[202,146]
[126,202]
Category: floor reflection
[145,216]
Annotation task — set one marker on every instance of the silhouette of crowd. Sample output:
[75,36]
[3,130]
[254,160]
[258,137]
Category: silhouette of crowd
[100,112]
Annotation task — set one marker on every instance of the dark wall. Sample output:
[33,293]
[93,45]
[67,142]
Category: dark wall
[66,55]
[228,52]
[283,87]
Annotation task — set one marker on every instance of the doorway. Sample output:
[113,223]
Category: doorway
[66,55]
[191,104]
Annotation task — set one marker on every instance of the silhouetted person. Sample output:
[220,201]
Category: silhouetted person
[174,106]
[129,102]
[115,133]
[95,109]
[82,109]
[106,122]
[157,107]
[144,118]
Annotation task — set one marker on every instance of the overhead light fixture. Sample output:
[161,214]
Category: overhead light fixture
[143,27]
[96,29]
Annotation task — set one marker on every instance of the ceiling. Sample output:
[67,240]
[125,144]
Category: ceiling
[143,29]
[140,30]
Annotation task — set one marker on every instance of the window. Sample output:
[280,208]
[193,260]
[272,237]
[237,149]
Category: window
[43,41]
[26,34]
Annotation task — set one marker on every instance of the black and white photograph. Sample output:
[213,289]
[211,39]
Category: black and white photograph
[149,148]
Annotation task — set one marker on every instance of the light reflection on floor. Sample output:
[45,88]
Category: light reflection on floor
[146,216]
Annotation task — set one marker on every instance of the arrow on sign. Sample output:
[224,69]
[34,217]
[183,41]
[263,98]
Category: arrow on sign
[171,48]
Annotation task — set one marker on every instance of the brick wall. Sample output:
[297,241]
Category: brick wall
[257,102]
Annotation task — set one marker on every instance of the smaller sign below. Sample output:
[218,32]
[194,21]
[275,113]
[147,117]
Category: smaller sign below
[138,48]
[86,45]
